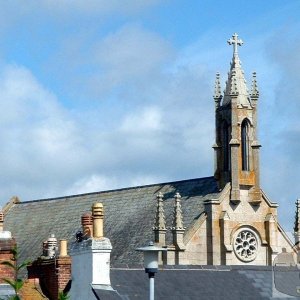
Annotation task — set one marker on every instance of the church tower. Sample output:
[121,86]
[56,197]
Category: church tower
[237,146]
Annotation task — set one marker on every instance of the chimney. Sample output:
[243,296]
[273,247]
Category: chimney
[63,248]
[51,270]
[7,245]
[97,210]
[51,246]
[87,225]
[91,261]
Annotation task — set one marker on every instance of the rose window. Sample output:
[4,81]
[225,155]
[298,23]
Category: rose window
[245,245]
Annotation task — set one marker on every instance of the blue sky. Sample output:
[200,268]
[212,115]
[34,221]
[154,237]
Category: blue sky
[105,94]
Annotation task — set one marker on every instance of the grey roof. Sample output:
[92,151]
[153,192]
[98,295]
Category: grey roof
[6,291]
[201,282]
[128,221]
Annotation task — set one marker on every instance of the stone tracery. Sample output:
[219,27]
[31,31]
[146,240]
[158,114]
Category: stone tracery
[246,245]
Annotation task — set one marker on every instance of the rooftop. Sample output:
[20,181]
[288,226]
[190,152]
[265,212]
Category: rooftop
[128,216]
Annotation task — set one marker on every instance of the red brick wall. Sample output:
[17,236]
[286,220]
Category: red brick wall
[6,246]
[53,274]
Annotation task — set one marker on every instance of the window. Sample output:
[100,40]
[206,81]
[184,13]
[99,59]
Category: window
[226,148]
[245,145]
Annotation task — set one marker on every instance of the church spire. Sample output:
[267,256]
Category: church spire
[236,88]
[237,146]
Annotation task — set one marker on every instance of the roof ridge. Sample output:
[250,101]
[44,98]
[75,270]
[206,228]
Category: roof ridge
[113,190]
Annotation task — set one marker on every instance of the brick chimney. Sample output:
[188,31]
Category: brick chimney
[7,244]
[91,260]
[87,225]
[52,270]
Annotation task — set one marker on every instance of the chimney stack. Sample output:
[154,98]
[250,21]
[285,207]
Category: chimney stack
[51,246]
[63,248]
[91,258]
[87,225]
[97,210]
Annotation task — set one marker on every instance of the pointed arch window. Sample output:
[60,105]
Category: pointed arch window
[226,148]
[245,145]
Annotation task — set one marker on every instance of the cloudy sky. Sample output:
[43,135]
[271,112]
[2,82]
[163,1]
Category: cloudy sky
[102,94]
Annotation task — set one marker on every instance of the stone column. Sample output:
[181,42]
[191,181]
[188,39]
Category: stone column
[226,252]
[255,193]
[272,238]
[235,187]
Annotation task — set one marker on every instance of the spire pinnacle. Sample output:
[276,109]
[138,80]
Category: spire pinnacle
[297,218]
[160,223]
[177,215]
[235,42]
[218,93]
[236,84]
[254,89]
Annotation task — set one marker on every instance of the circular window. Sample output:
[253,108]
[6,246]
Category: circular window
[245,245]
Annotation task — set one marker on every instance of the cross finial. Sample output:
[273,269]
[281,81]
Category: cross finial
[235,42]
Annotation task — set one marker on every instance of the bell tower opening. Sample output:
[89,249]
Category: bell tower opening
[245,145]
[226,148]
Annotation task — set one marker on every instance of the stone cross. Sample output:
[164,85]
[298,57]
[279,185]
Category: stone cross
[235,42]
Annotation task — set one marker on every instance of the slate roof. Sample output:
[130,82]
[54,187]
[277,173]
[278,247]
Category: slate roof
[128,221]
[200,282]
[6,291]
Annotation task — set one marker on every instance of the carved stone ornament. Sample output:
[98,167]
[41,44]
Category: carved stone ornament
[245,245]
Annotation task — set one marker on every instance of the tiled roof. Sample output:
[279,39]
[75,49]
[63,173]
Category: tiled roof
[128,221]
[206,282]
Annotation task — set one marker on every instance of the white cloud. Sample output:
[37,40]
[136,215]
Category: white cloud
[150,119]
[129,55]
[37,134]
[93,183]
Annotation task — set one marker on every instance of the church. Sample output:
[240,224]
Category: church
[225,219]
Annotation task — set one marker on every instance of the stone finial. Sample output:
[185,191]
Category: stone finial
[97,211]
[218,92]
[87,224]
[1,220]
[297,218]
[177,214]
[63,248]
[160,222]
[235,42]
[254,89]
